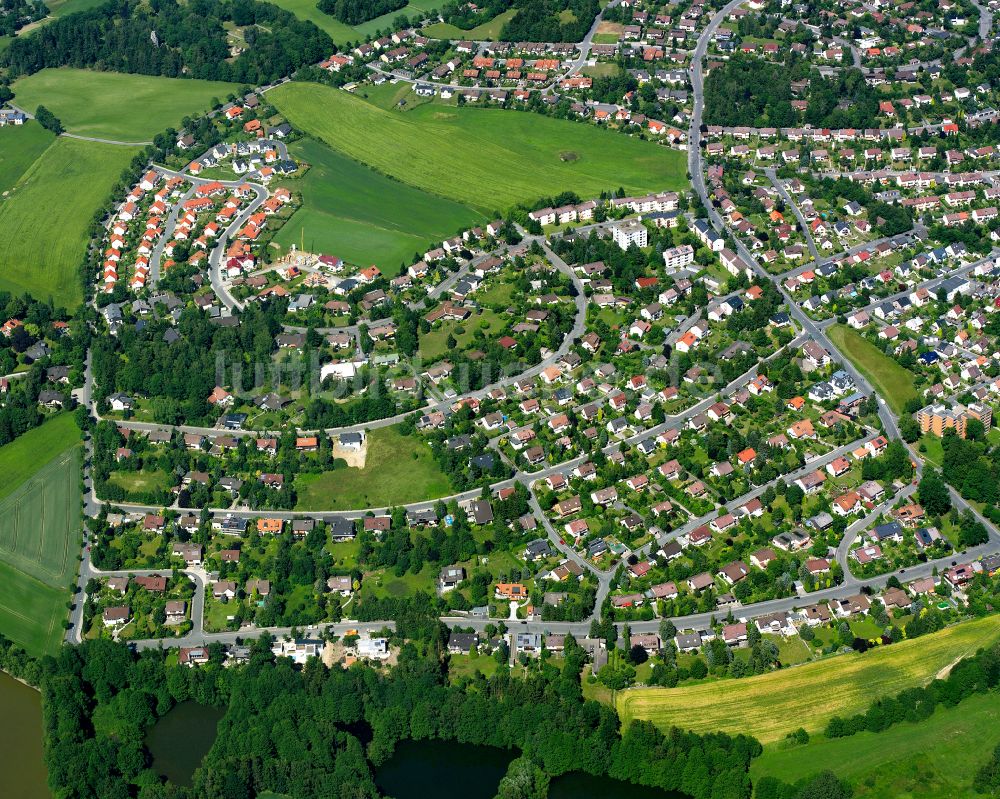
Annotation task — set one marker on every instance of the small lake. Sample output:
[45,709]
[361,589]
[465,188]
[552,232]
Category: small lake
[180,740]
[444,770]
[22,769]
[578,785]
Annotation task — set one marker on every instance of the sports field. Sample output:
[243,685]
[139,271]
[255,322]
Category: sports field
[771,705]
[40,524]
[398,469]
[20,147]
[115,106]
[933,759]
[488,31]
[893,382]
[362,216]
[487,159]
[44,224]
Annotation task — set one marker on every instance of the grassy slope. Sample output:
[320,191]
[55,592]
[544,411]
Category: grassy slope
[341,33]
[111,105]
[894,382]
[363,216]
[307,10]
[60,8]
[20,147]
[398,469]
[933,759]
[39,525]
[487,31]
[485,158]
[43,226]
[771,705]
[412,9]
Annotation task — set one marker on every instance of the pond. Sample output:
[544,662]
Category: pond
[444,770]
[180,740]
[22,769]
[578,785]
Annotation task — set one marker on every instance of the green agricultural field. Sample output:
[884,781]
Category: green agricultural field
[771,705]
[488,31]
[362,216]
[111,105]
[40,523]
[933,759]
[20,147]
[25,455]
[892,381]
[44,225]
[484,158]
[398,469]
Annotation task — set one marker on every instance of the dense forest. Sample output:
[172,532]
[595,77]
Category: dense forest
[542,21]
[354,12]
[756,93]
[285,730]
[469,15]
[174,39]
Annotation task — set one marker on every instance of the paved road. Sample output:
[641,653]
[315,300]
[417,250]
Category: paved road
[790,203]
[810,329]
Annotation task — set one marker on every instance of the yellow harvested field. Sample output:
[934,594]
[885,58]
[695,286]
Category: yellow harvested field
[771,705]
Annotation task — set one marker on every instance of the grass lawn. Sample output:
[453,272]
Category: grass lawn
[40,524]
[387,584]
[934,759]
[141,482]
[602,69]
[307,10]
[771,705]
[362,216]
[111,105]
[893,382]
[933,451]
[341,32]
[466,665]
[488,31]
[60,8]
[398,469]
[37,255]
[792,650]
[20,147]
[460,152]
[413,9]
[435,343]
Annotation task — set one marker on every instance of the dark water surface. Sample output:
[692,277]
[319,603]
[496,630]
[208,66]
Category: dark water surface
[443,770]
[180,740]
[22,770]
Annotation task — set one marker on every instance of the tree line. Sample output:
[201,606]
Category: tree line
[354,12]
[175,40]
[976,674]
